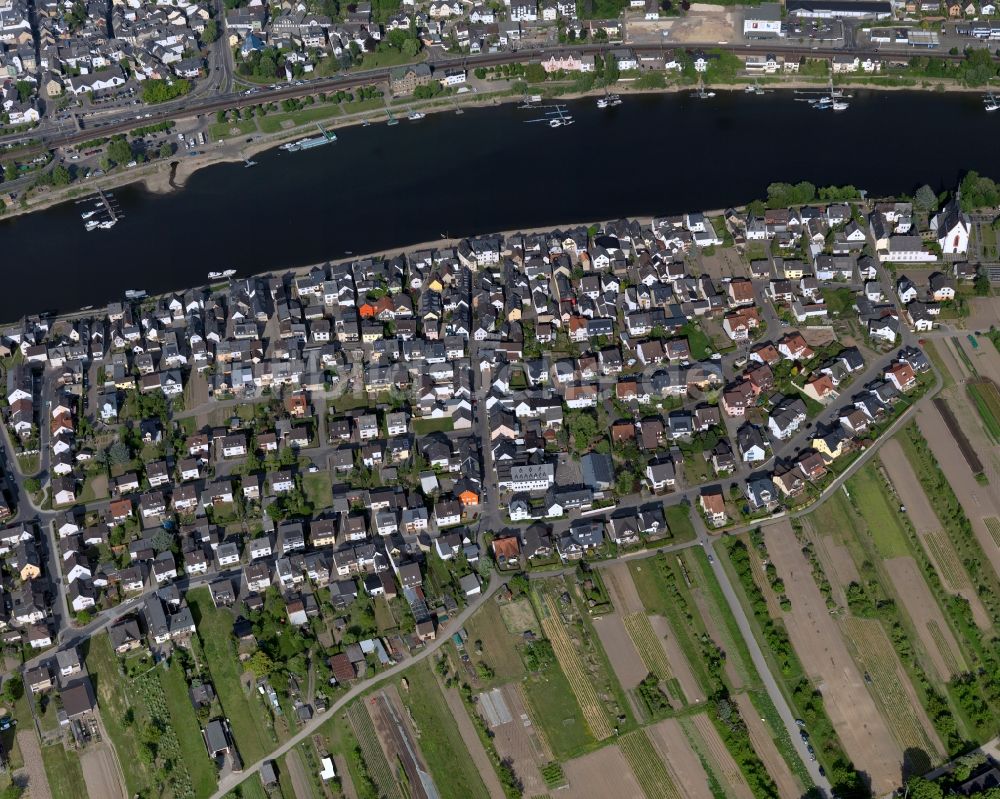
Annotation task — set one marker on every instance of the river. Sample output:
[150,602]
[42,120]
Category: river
[383,187]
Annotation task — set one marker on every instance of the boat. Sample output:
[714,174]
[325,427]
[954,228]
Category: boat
[555,123]
[326,137]
[248,163]
[87,214]
[701,94]
[839,105]
[415,116]
[365,123]
[107,224]
[218,275]
[823,103]
[602,102]
[91,225]
[990,102]
[568,120]
[135,294]
[614,99]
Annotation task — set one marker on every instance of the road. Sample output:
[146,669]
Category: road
[193,105]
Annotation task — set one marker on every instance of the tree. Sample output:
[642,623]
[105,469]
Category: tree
[211,32]
[534,73]
[119,150]
[119,454]
[518,584]
[61,176]
[10,172]
[919,788]
[13,689]
[24,90]
[925,199]
[32,484]
[166,149]
[260,664]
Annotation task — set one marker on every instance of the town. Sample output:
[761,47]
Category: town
[79,76]
[246,502]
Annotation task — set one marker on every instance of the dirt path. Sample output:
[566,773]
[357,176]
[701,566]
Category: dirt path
[300,780]
[678,663]
[763,744]
[925,521]
[33,773]
[818,642]
[683,764]
[475,746]
[101,774]
[918,602]
[716,749]
[346,785]
[978,501]
[599,775]
[625,659]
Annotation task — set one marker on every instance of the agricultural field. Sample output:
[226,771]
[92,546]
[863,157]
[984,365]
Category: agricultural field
[251,724]
[985,397]
[892,690]
[516,738]
[818,643]
[599,775]
[580,678]
[438,736]
[686,768]
[647,766]
[373,762]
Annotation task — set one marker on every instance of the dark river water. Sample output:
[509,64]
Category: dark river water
[382,187]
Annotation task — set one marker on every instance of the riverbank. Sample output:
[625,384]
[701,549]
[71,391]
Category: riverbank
[164,176]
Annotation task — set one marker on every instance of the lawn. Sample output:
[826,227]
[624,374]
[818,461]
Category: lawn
[319,489]
[679,521]
[556,713]
[251,788]
[698,342]
[224,130]
[486,629]
[185,723]
[422,427]
[273,123]
[63,771]
[389,58]
[248,719]
[932,352]
[440,741]
[383,615]
[879,513]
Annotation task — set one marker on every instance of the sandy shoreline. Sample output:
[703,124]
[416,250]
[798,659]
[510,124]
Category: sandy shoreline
[156,176]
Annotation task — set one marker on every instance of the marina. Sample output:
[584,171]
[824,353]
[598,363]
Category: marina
[102,211]
[558,116]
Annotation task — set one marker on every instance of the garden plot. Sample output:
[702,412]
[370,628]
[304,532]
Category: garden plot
[893,690]
[645,763]
[599,775]
[925,521]
[764,746]
[374,758]
[581,682]
[675,655]
[629,667]
[931,627]
[716,751]
[399,744]
[978,501]
[821,648]
[681,760]
[515,736]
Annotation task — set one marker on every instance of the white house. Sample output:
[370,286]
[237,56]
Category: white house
[951,228]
